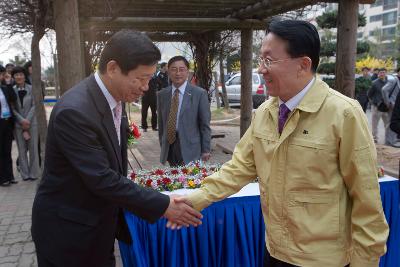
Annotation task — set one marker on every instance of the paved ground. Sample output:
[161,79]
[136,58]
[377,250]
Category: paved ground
[16,247]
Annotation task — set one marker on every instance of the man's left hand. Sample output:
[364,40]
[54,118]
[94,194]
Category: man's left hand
[205,156]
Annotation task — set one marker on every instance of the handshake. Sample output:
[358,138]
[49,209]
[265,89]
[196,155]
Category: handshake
[180,212]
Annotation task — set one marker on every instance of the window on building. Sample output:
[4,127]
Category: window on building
[389,4]
[388,33]
[359,34]
[389,18]
[375,18]
[377,3]
[389,49]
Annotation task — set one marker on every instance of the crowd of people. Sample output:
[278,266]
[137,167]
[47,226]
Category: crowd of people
[380,91]
[18,121]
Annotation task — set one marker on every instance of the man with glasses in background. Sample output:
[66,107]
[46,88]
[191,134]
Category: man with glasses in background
[315,160]
[183,117]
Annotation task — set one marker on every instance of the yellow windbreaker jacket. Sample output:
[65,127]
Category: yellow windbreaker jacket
[319,189]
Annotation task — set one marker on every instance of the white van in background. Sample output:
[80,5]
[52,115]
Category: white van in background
[259,90]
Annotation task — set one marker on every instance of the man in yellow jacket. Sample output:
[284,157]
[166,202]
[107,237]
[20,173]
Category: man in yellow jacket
[315,158]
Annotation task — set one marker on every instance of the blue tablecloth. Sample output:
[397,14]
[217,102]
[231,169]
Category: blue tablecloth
[232,234]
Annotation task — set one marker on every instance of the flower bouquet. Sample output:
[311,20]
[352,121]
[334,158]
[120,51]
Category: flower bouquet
[133,134]
[381,172]
[190,176]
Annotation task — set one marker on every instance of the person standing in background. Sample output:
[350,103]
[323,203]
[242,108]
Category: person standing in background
[390,92]
[26,132]
[375,97]
[7,100]
[183,118]
[363,84]
[149,99]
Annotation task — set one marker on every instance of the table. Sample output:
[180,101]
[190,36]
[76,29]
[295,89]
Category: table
[232,234]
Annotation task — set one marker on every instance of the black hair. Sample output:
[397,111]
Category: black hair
[27,65]
[2,69]
[129,49]
[364,68]
[178,58]
[301,36]
[10,65]
[18,69]
[162,65]
[382,69]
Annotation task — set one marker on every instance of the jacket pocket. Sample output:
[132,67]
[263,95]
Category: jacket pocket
[313,220]
[78,216]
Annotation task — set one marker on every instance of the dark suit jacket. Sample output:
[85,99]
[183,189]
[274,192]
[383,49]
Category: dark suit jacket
[76,208]
[395,120]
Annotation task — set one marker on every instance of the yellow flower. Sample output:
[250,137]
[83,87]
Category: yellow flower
[191,184]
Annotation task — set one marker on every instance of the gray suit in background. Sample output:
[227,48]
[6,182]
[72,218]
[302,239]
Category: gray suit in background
[193,124]
[28,169]
[390,92]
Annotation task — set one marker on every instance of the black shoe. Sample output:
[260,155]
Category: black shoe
[7,183]
[32,179]
[155,129]
[13,182]
[26,179]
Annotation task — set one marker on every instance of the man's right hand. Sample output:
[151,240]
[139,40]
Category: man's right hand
[180,214]
[25,124]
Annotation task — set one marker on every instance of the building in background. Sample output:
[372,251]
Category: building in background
[383,19]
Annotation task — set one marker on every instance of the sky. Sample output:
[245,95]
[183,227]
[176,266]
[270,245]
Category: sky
[19,45]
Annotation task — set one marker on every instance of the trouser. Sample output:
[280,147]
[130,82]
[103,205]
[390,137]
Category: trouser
[6,135]
[175,154]
[28,168]
[376,116]
[272,262]
[153,107]
[390,136]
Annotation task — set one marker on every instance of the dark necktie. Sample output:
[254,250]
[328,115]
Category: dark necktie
[171,123]
[283,115]
[21,95]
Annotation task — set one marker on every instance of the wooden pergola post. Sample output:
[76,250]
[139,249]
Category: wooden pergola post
[70,63]
[246,63]
[347,23]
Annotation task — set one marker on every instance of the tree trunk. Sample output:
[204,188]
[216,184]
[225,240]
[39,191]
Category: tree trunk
[246,61]
[216,91]
[70,61]
[222,78]
[346,48]
[37,92]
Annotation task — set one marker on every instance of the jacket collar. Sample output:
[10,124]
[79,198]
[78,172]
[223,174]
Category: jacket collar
[311,102]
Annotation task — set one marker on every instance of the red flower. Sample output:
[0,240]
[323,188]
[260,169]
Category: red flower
[159,172]
[204,175]
[185,171]
[135,131]
[174,172]
[158,182]
[166,181]
[148,182]
[133,175]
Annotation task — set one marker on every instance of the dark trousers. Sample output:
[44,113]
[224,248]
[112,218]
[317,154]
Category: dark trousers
[43,261]
[6,136]
[272,262]
[174,153]
[153,107]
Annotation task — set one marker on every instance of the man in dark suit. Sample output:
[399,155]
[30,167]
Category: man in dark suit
[183,117]
[149,99]
[7,99]
[76,213]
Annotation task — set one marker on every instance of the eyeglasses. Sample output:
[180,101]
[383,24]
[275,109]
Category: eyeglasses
[266,63]
[176,70]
